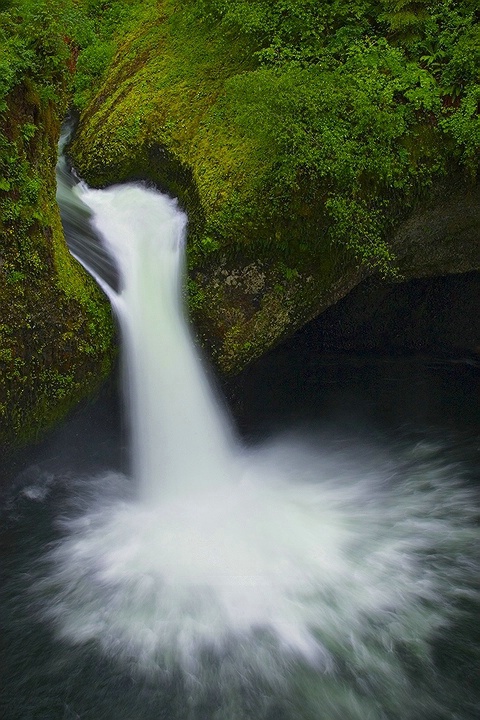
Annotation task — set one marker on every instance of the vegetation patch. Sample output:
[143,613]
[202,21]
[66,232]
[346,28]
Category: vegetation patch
[297,134]
[56,330]
[338,115]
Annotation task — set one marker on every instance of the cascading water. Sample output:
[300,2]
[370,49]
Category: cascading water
[319,577]
[181,439]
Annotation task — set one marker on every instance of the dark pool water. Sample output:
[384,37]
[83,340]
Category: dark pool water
[365,406]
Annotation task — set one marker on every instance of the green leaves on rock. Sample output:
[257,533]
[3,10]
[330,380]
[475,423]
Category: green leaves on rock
[354,107]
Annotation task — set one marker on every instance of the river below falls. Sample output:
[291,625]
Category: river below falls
[351,426]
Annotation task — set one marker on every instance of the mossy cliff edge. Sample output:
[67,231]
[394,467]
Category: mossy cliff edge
[56,329]
[310,145]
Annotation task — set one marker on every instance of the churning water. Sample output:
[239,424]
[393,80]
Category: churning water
[294,579]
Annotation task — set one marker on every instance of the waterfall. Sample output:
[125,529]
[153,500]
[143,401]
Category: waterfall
[181,436]
[238,566]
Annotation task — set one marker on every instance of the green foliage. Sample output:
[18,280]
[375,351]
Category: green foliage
[464,127]
[405,19]
[48,37]
[91,64]
[32,40]
[56,331]
[303,122]
[103,21]
[196,296]
[342,130]
[286,30]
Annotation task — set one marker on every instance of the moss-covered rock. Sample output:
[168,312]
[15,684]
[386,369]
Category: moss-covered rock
[56,329]
[274,239]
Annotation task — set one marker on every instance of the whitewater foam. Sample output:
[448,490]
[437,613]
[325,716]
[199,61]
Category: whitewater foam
[271,567]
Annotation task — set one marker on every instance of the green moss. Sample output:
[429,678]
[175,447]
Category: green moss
[297,135]
[56,334]
[352,128]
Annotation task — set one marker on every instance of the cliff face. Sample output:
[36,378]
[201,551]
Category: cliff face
[442,236]
[274,240]
[56,330]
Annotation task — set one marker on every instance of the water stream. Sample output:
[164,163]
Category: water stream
[296,578]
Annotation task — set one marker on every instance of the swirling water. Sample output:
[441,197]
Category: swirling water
[312,576]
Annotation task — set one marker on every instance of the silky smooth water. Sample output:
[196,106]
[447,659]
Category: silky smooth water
[301,577]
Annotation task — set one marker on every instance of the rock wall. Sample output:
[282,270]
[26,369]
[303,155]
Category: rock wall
[56,329]
[261,264]
[431,316]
